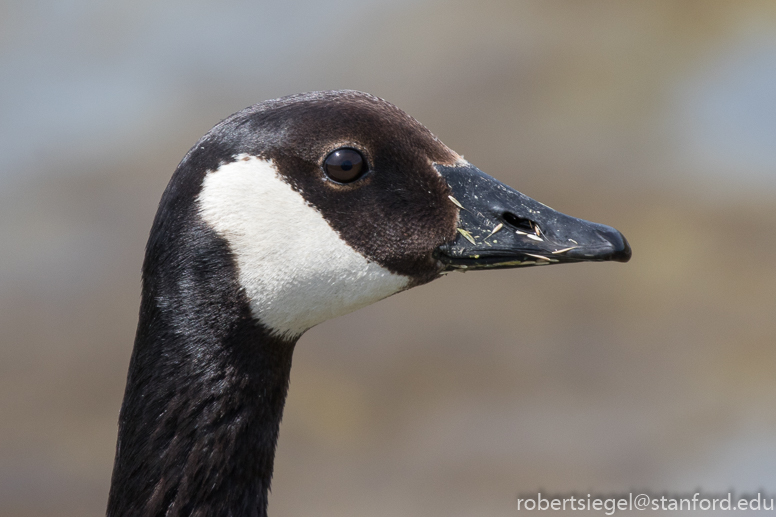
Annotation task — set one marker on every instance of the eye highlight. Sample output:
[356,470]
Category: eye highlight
[344,165]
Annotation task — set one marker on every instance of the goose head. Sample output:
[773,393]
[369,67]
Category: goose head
[330,201]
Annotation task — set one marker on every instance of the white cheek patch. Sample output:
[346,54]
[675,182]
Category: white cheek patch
[295,269]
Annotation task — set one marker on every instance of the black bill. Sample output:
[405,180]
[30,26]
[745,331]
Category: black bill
[498,227]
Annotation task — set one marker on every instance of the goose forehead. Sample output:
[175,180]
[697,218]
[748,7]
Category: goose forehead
[294,268]
[306,125]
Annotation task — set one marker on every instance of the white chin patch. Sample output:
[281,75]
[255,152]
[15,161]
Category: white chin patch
[295,269]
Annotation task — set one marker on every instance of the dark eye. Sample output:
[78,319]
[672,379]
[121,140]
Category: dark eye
[344,165]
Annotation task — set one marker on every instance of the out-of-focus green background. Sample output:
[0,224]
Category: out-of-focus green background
[656,117]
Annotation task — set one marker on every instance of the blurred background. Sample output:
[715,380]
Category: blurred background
[656,117]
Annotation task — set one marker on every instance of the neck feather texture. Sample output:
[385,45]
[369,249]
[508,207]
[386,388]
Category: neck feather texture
[205,390]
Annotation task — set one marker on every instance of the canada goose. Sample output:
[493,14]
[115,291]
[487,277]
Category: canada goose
[286,214]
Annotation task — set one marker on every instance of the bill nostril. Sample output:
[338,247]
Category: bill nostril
[519,223]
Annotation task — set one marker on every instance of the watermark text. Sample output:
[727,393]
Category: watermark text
[610,504]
